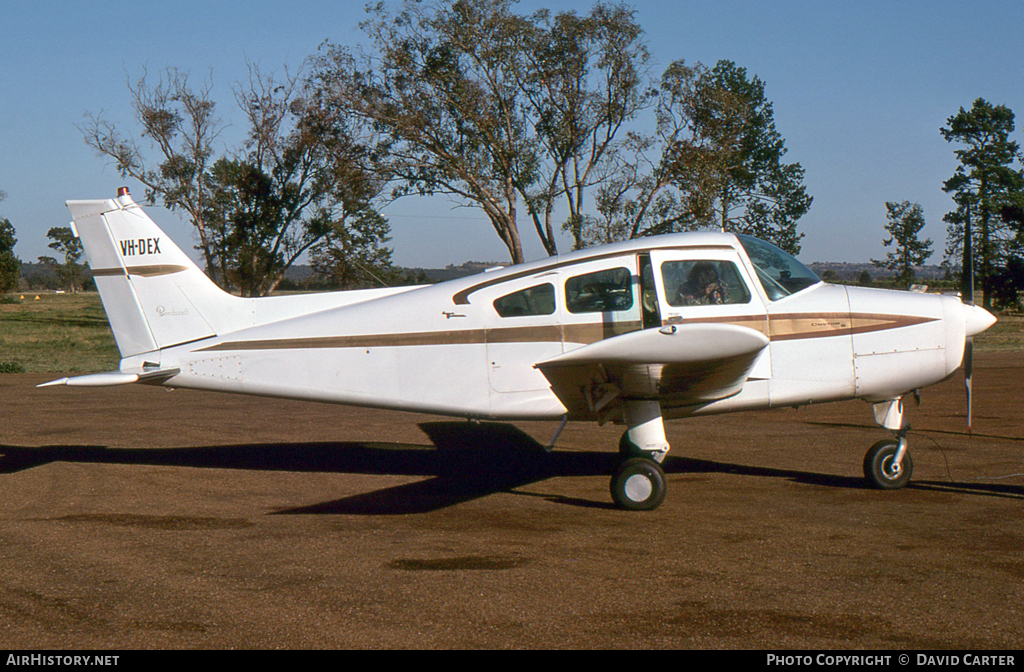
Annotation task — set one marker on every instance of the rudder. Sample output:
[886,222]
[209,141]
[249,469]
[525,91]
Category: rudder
[153,293]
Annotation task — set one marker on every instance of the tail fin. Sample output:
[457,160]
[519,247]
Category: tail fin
[154,295]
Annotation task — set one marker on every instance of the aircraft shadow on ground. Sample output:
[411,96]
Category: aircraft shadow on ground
[466,461]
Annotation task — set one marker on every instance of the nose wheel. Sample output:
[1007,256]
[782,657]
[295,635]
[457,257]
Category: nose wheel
[883,470]
[887,465]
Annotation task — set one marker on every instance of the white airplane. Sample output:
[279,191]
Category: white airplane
[635,333]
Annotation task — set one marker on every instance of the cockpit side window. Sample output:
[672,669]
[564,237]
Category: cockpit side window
[779,273]
[703,283]
[537,300]
[599,292]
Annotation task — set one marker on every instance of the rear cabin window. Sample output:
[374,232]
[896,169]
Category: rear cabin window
[600,292]
[703,283]
[538,300]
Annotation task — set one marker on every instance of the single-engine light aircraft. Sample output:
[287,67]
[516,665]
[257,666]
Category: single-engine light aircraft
[637,332]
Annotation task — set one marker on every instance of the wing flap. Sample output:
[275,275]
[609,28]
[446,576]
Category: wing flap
[681,365]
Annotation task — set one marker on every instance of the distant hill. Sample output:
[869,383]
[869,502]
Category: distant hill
[451,271]
[29,269]
[40,276]
[300,273]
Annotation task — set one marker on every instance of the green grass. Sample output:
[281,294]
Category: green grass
[68,333]
[58,333]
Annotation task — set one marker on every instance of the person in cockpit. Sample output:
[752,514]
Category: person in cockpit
[702,287]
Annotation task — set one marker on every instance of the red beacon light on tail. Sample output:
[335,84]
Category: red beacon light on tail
[124,197]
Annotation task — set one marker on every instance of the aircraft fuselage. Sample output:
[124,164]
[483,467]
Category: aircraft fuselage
[445,349]
[634,332]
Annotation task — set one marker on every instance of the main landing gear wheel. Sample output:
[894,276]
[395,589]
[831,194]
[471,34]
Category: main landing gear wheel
[880,468]
[638,485]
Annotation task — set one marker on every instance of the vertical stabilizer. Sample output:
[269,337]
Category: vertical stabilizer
[153,293]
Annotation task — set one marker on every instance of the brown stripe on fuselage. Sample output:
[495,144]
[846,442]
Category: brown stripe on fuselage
[782,327]
[785,327]
[462,337]
[592,332]
[755,322]
[823,325]
[550,333]
[792,326]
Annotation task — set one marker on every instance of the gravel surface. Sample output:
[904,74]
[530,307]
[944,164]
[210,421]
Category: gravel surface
[137,517]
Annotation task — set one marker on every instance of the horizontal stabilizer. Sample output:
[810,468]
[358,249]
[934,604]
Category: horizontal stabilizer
[108,378]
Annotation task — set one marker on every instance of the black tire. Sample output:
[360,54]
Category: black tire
[878,466]
[638,485]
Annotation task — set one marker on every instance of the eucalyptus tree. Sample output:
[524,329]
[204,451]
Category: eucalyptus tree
[66,243]
[299,181]
[739,181]
[714,160]
[295,180]
[356,257]
[503,111]
[179,122]
[587,79]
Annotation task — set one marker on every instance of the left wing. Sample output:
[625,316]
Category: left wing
[684,364]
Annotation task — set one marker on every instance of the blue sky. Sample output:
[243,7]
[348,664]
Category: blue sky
[860,90]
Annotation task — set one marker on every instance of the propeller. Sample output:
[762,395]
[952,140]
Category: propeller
[967,297]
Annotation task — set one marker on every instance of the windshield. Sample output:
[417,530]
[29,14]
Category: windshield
[779,272]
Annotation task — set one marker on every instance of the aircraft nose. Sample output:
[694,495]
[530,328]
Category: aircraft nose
[977,319]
